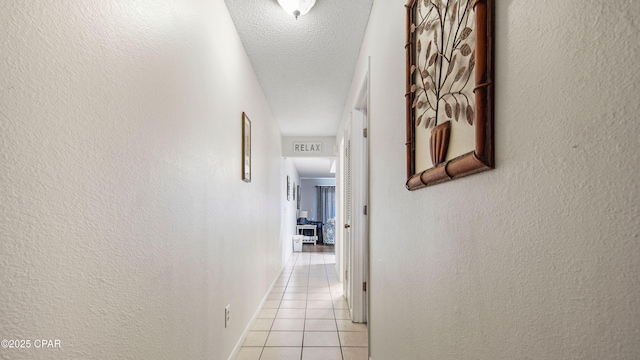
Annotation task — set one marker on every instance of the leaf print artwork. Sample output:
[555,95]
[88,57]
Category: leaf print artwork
[449,92]
[443,69]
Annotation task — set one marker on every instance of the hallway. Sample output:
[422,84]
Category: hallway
[306,316]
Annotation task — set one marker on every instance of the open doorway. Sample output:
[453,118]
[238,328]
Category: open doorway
[317,211]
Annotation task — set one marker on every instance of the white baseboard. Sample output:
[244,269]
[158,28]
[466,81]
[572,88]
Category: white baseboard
[245,333]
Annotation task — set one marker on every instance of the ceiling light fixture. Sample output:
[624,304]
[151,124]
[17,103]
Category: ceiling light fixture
[297,7]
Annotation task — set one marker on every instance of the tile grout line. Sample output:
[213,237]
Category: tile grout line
[281,299]
[335,320]
[310,261]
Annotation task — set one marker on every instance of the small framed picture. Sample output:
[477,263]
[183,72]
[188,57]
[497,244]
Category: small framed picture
[246,148]
[288,188]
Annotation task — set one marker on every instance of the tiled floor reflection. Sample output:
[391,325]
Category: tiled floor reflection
[306,316]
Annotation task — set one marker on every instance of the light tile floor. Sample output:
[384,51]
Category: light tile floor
[306,316]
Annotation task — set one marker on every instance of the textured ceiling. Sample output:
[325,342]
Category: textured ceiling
[305,66]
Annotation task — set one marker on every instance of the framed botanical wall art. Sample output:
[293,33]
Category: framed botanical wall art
[449,90]
[297,190]
[246,148]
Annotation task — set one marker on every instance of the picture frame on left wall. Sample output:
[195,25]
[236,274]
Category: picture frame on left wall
[288,188]
[246,148]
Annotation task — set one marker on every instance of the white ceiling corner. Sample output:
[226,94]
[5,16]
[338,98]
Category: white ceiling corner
[313,168]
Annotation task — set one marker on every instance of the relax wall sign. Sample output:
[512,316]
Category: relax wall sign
[314,147]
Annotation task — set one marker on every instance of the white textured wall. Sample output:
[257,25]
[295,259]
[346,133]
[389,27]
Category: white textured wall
[124,224]
[540,258]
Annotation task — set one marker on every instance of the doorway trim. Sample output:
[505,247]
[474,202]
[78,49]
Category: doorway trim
[360,206]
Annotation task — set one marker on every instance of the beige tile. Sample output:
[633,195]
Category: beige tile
[320,325]
[355,353]
[278,289]
[296,289]
[319,275]
[321,353]
[299,278]
[271,304]
[293,304]
[321,338]
[319,290]
[256,338]
[348,325]
[285,338]
[249,353]
[291,314]
[281,353]
[354,338]
[267,313]
[277,297]
[316,297]
[294,296]
[342,314]
[319,304]
[320,314]
[340,304]
[262,325]
[288,325]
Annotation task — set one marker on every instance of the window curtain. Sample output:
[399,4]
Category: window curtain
[326,202]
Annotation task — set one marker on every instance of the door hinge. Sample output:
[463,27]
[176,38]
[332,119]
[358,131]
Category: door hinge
[364,132]
[365,209]
[364,286]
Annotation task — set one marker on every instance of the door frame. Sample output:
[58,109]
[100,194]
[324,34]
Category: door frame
[360,206]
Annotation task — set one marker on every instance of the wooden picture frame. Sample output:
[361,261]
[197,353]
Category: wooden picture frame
[449,88]
[246,148]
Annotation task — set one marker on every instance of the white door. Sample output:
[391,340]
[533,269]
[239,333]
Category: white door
[359,185]
[347,220]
